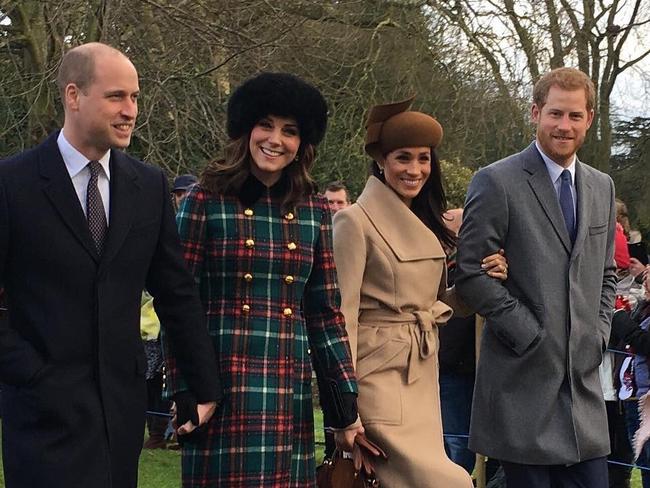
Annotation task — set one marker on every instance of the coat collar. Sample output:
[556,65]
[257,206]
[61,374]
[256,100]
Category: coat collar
[253,189]
[402,230]
[58,187]
[542,186]
[125,189]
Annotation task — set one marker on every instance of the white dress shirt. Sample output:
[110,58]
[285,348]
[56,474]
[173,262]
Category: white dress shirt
[555,172]
[77,166]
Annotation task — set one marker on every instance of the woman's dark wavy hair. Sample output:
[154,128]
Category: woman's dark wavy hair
[430,204]
[227,176]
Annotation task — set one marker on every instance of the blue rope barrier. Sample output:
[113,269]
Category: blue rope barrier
[616,351]
[159,414]
[464,436]
[618,463]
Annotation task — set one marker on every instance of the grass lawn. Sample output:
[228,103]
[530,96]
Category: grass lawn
[161,469]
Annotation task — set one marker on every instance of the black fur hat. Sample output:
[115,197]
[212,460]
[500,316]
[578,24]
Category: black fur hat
[279,94]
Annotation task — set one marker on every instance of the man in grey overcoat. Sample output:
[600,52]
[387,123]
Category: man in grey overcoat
[538,405]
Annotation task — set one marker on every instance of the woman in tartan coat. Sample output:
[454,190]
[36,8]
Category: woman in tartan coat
[258,240]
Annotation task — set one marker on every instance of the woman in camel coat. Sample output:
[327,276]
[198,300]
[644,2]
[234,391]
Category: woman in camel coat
[388,249]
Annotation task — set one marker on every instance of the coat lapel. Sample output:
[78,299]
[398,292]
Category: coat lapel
[411,240]
[542,187]
[124,193]
[59,189]
[584,193]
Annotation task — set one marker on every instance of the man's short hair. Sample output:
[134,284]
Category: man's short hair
[566,79]
[78,67]
[338,186]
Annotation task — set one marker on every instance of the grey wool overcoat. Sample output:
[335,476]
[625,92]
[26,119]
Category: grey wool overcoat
[538,398]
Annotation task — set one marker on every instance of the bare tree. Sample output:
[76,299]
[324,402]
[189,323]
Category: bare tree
[519,40]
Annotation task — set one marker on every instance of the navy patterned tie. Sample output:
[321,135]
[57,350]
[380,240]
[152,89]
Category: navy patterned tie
[95,208]
[566,202]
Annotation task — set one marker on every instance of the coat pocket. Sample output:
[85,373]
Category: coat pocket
[379,375]
[597,229]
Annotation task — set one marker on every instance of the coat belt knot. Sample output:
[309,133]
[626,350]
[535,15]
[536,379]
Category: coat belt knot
[423,337]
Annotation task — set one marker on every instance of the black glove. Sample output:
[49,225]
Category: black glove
[622,325]
[186,410]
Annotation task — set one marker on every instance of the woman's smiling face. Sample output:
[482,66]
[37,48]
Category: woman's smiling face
[406,170]
[274,144]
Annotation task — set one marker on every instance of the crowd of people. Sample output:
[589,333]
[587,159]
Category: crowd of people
[255,288]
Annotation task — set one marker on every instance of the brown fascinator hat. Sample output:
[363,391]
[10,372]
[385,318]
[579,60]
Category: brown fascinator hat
[392,125]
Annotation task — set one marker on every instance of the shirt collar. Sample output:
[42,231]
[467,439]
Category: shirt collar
[554,169]
[75,161]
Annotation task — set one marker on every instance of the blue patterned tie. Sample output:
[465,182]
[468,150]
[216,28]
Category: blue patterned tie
[566,202]
[95,208]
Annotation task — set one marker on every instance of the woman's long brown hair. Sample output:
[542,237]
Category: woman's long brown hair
[227,176]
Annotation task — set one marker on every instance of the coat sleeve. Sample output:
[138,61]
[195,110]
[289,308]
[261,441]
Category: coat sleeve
[608,289]
[191,358]
[628,331]
[484,230]
[350,258]
[20,363]
[327,334]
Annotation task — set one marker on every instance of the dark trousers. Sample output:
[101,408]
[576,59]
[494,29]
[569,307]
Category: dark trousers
[456,406]
[587,474]
[157,424]
[621,451]
[632,420]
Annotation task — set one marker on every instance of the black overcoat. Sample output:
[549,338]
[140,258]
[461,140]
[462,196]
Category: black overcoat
[71,357]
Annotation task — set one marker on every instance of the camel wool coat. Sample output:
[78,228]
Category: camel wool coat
[391,271]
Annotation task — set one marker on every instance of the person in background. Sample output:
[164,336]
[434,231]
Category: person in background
[621,451]
[457,357]
[621,252]
[634,329]
[182,184]
[337,196]
[157,422]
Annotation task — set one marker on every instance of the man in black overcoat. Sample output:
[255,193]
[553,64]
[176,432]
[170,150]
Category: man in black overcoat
[84,228]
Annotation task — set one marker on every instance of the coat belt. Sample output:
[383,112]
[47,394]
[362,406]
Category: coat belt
[421,329]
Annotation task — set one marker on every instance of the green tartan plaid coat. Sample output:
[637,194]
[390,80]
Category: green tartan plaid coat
[268,284]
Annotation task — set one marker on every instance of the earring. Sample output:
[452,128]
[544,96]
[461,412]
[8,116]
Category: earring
[381,170]
[296,159]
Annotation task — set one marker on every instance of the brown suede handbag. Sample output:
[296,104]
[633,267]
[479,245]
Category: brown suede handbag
[355,472]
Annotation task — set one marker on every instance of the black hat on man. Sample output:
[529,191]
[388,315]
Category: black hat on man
[183,182]
[282,95]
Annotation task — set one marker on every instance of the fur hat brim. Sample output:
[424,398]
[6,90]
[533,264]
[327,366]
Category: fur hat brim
[282,95]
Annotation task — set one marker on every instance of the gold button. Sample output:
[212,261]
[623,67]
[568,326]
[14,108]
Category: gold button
[248,277]
[287,312]
[245,308]
[288,279]
[289,216]
[292,246]
[248,212]
[249,243]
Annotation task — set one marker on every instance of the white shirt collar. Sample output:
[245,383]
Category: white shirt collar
[554,169]
[75,161]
